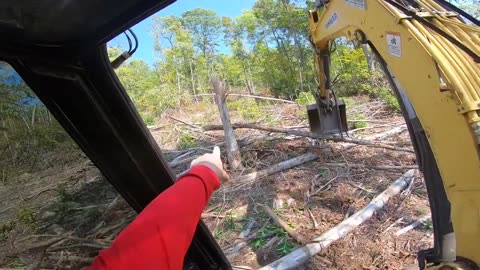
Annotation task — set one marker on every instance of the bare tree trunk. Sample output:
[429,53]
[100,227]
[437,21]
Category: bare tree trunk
[370,57]
[33,115]
[177,74]
[247,81]
[4,123]
[193,79]
[233,152]
[49,116]
[252,86]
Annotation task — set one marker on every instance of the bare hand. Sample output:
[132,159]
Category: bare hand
[214,162]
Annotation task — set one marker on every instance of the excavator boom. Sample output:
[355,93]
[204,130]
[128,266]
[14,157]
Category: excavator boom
[431,56]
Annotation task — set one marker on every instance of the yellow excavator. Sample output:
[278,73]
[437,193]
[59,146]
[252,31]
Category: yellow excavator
[429,50]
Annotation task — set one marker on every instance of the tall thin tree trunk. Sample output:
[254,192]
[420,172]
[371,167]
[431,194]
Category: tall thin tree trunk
[301,63]
[252,85]
[33,115]
[370,57]
[177,74]
[247,81]
[233,151]
[192,76]
[49,116]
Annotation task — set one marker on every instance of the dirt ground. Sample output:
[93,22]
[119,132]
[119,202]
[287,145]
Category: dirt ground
[62,214]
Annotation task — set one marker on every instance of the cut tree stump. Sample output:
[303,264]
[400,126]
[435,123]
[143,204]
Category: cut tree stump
[301,255]
[231,145]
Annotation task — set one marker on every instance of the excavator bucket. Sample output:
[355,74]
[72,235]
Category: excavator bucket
[325,122]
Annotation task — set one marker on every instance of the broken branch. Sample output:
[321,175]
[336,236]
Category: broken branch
[183,122]
[388,133]
[402,167]
[413,225]
[253,96]
[283,225]
[284,165]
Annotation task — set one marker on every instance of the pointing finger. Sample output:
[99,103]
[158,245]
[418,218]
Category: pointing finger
[216,151]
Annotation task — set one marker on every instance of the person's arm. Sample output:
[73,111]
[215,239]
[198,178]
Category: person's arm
[161,234]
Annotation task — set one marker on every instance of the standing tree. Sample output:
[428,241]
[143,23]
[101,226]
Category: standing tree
[233,151]
[205,27]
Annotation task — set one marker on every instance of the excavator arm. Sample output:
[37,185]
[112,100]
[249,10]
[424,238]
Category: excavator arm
[431,57]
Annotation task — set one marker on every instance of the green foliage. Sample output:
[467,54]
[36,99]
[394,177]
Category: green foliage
[268,231]
[247,108]
[428,224]
[27,129]
[5,229]
[305,98]
[356,125]
[349,101]
[149,119]
[186,141]
[269,51]
[205,27]
[231,223]
[353,74]
[355,77]
[285,247]
[143,86]
[26,216]
[390,100]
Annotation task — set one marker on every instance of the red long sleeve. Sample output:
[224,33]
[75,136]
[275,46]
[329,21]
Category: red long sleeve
[161,234]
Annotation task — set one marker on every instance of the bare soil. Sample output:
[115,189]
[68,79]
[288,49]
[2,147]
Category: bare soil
[68,200]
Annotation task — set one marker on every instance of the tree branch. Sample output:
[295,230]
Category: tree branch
[307,134]
[283,225]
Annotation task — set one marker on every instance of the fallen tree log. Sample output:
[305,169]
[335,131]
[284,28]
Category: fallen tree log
[401,167]
[284,165]
[252,96]
[301,255]
[413,225]
[302,133]
[388,133]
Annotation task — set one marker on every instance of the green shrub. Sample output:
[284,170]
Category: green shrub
[186,141]
[305,98]
[349,101]
[26,216]
[390,100]
[355,78]
[360,124]
[148,119]
[247,108]
[285,247]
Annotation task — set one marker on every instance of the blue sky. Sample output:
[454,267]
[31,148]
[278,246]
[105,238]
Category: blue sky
[231,8]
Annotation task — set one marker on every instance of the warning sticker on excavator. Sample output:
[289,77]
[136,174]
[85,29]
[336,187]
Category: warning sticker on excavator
[394,44]
[356,3]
